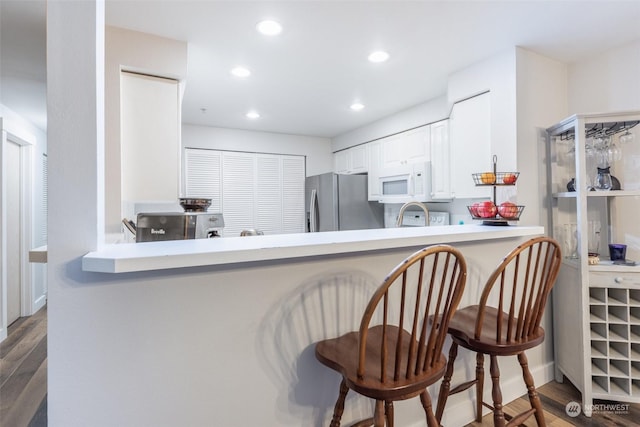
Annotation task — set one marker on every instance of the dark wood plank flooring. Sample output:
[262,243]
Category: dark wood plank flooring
[554,397]
[23,372]
[23,386]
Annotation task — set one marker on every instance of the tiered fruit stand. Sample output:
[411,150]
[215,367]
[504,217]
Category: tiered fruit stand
[489,211]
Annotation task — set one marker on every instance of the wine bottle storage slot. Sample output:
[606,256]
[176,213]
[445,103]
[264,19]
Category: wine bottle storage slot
[615,341]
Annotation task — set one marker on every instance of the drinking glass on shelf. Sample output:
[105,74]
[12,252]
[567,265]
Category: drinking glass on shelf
[594,238]
[570,240]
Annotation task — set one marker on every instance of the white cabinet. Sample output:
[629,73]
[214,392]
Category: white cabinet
[150,138]
[470,143]
[440,161]
[410,146]
[375,166]
[596,307]
[352,160]
[262,191]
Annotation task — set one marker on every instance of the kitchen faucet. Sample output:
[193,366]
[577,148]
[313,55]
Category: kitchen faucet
[408,204]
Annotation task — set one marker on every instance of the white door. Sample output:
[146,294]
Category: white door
[14,227]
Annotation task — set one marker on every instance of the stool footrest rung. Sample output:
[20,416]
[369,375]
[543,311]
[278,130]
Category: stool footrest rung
[519,419]
[462,387]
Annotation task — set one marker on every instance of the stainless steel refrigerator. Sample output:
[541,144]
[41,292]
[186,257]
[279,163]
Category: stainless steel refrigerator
[339,202]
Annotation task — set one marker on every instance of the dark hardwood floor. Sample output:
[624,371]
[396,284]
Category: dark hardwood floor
[554,397]
[23,372]
[23,386]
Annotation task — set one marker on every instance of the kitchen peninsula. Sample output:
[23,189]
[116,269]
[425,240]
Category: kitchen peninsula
[226,324]
[128,257]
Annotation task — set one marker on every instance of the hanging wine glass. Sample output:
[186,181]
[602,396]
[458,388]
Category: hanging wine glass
[626,137]
[614,153]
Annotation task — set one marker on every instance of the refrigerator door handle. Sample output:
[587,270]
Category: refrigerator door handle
[313,211]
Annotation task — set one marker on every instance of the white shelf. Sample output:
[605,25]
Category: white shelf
[607,296]
[613,193]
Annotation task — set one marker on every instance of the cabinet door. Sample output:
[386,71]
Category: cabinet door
[375,165]
[351,160]
[416,145]
[393,151]
[341,161]
[358,159]
[411,146]
[470,136]
[150,138]
[440,161]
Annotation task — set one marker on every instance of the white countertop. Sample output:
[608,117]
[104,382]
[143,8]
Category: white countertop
[130,257]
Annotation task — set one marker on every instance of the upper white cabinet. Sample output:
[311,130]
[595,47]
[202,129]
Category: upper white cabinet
[440,161]
[150,138]
[470,145]
[352,160]
[375,161]
[411,146]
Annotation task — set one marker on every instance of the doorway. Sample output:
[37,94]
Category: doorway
[13,231]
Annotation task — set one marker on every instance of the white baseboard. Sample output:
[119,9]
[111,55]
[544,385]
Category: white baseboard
[39,303]
[460,412]
[3,334]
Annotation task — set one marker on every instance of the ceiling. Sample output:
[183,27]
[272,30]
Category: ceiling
[304,79]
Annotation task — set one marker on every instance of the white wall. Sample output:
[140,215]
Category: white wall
[317,150]
[75,136]
[608,81]
[428,112]
[142,53]
[542,101]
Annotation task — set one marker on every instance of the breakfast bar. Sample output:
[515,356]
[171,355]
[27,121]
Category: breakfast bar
[225,328]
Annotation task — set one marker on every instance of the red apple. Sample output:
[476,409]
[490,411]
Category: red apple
[487,209]
[508,210]
[509,178]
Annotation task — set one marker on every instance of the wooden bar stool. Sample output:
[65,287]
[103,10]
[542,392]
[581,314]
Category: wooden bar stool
[519,288]
[401,355]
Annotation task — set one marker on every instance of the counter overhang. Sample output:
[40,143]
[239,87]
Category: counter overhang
[134,257]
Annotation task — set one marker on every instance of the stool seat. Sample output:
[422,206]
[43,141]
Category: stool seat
[341,354]
[462,329]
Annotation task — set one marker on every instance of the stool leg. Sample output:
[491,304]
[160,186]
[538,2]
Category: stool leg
[378,415]
[426,404]
[498,415]
[388,410]
[531,389]
[479,385]
[339,408]
[445,385]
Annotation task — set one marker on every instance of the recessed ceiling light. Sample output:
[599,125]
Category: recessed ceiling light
[378,56]
[253,115]
[240,72]
[269,28]
[356,106]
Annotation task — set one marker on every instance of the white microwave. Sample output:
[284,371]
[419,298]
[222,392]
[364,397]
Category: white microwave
[406,183]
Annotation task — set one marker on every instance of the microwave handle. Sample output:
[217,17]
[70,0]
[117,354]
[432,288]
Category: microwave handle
[313,211]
